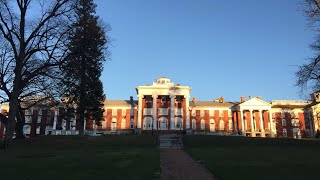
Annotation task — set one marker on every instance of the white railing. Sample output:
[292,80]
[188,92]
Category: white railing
[62,132]
[178,111]
[147,111]
[162,111]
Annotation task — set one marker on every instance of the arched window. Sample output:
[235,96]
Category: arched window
[221,125]
[212,125]
[147,123]
[194,124]
[202,125]
[123,123]
[114,124]
[230,124]
[163,123]
[178,123]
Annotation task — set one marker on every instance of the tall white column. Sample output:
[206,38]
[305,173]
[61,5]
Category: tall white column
[172,98]
[253,134]
[271,124]
[154,101]
[261,121]
[187,111]
[55,118]
[139,111]
[243,129]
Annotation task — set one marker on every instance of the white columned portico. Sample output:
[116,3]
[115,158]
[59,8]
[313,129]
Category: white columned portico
[243,129]
[172,97]
[154,107]
[271,124]
[139,111]
[187,111]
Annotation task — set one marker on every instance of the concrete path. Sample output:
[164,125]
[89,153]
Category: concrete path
[178,165]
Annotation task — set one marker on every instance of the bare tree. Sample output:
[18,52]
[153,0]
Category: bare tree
[33,37]
[308,74]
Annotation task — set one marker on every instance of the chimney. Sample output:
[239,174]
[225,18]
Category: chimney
[131,100]
[250,97]
[194,100]
[259,97]
[221,99]
[242,99]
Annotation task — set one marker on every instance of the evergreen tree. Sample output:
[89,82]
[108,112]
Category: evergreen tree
[84,63]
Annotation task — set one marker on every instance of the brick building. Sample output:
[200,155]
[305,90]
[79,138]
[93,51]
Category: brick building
[166,107]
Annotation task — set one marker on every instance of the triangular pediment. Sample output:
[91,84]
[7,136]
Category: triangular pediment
[255,102]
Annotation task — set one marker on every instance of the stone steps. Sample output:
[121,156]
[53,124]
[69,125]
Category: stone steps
[170,141]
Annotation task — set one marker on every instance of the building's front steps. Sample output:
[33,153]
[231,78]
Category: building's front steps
[170,141]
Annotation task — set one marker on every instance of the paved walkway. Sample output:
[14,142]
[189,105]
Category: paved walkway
[178,165]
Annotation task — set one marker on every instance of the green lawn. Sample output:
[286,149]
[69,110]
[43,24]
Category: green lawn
[237,158]
[94,158]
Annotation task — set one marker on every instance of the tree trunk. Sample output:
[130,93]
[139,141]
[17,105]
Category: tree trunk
[10,127]
[20,124]
[81,123]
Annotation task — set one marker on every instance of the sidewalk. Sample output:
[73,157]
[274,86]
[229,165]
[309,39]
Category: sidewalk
[178,165]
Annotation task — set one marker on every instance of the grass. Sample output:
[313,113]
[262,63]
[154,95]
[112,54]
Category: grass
[230,158]
[67,157]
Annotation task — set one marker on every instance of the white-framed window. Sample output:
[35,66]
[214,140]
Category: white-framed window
[283,122]
[284,131]
[194,124]
[114,124]
[202,125]
[39,119]
[221,114]
[295,122]
[201,113]
[131,111]
[123,123]
[211,112]
[104,124]
[212,125]
[124,112]
[221,125]
[163,123]
[193,112]
[230,124]
[28,119]
[229,112]
[293,115]
[296,133]
[178,111]
[147,123]
[27,112]
[131,123]
[114,112]
[178,123]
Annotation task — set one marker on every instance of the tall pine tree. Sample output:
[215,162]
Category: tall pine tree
[84,63]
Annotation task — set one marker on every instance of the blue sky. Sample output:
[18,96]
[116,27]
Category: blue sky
[219,48]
